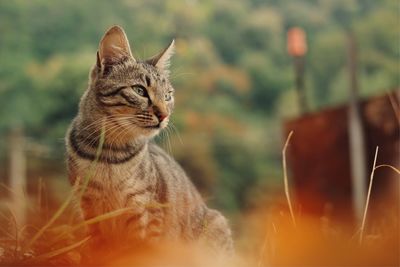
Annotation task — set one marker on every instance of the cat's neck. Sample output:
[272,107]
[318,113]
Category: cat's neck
[90,132]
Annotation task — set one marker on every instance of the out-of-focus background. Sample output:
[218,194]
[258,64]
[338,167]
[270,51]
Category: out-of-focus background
[246,73]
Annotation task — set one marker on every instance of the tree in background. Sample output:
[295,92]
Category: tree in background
[232,74]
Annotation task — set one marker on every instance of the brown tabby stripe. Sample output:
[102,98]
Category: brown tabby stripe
[123,183]
[134,218]
[156,222]
[132,195]
[129,99]
[153,234]
[95,185]
[112,92]
[95,142]
[155,228]
[148,82]
[117,104]
[161,187]
[199,222]
[111,159]
[86,199]
[101,100]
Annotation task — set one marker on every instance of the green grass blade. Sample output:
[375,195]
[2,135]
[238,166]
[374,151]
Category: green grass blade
[70,196]
[100,218]
[51,221]
[60,251]
[93,166]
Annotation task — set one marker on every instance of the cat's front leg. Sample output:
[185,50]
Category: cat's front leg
[216,233]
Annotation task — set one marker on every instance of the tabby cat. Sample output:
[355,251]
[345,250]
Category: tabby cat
[132,101]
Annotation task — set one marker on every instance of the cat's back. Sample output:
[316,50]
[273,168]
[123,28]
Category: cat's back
[164,161]
[172,174]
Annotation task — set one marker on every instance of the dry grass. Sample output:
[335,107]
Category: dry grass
[273,236]
[316,241]
[368,197]
[285,178]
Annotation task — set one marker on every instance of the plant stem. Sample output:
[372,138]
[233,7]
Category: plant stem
[285,178]
[368,197]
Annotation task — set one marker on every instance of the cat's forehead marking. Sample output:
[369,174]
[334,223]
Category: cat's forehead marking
[148,81]
[151,76]
[131,72]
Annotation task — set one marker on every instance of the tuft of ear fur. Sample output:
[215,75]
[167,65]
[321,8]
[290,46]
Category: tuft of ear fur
[114,47]
[162,60]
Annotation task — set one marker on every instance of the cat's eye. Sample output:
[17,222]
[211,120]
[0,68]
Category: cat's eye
[168,96]
[140,90]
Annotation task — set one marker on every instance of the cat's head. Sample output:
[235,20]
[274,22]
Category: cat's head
[135,94]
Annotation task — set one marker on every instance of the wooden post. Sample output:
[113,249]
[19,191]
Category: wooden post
[297,48]
[356,132]
[301,94]
[17,174]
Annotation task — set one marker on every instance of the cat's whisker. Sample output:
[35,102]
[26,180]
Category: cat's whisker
[107,122]
[94,123]
[118,125]
[179,69]
[162,137]
[122,124]
[176,131]
[121,134]
[93,136]
[182,74]
[168,141]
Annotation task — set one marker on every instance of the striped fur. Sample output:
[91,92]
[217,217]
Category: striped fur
[132,100]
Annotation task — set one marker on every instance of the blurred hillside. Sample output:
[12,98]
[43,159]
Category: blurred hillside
[233,77]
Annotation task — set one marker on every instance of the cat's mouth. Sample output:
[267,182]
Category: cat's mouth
[158,126]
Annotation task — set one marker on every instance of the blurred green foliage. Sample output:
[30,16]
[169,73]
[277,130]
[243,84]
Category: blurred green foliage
[233,77]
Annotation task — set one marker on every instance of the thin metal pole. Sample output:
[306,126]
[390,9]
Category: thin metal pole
[299,81]
[356,132]
[17,174]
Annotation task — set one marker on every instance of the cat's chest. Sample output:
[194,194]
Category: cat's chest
[117,186]
[110,189]
[110,175]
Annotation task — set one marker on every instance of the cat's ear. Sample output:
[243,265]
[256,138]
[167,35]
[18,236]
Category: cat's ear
[162,60]
[114,47]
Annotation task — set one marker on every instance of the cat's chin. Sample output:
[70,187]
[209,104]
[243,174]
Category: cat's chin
[152,131]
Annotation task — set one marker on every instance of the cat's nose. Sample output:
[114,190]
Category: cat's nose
[160,113]
[161,116]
